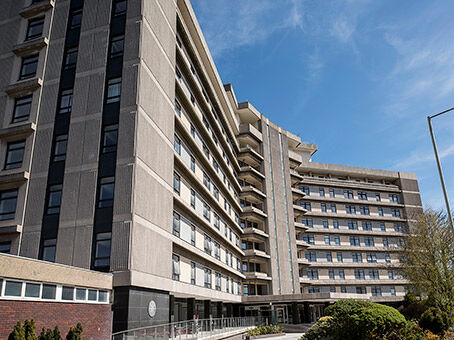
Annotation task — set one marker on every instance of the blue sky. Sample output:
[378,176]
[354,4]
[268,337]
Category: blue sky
[356,77]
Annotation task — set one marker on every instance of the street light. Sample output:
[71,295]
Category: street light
[439,165]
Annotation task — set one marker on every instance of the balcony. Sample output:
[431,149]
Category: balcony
[252,194]
[250,211]
[302,243]
[299,210]
[30,46]
[257,276]
[303,261]
[255,232]
[295,177]
[10,229]
[24,87]
[37,8]
[251,175]
[256,253]
[249,155]
[249,134]
[295,157]
[19,129]
[300,225]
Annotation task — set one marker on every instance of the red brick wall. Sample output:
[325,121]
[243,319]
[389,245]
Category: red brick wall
[96,319]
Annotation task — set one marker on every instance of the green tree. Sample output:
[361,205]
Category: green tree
[75,333]
[18,332]
[435,321]
[49,334]
[428,261]
[29,329]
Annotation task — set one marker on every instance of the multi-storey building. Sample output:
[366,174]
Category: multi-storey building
[124,152]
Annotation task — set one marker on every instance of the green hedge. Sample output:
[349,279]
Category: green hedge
[274,329]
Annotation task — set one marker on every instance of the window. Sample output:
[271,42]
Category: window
[110,138]
[306,190]
[343,289]
[354,241]
[327,240]
[176,183]
[323,206]
[360,290]
[192,235]
[113,90]
[371,258]
[395,212]
[322,192]
[311,256]
[206,181]
[8,200]
[178,107]
[193,273]
[206,211]
[364,210]
[348,194]
[373,274]
[102,250]
[329,257]
[307,222]
[392,291]
[332,289]
[331,274]
[70,59]
[309,239]
[311,290]
[306,205]
[336,224]
[352,225]
[207,278]
[119,7]
[60,146]
[81,294]
[22,107]
[76,19]
[28,68]
[208,245]
[32,290]
[359,274]
[369,241]
[14,155]
[106,192]
[54,199]
[192,164]
[394,198]
[377,197]
[217,251]
[92,295]
[175,267]
[332,193]
[176,224]
[387,258]
[367,226]
[390,274]
[13,288]
[340,257]
[67,293]
[362,195]
[376,291]
[337,240]
[325,224]
[66,101]
[117,48]
[192,198]
[380,212]
[350,209]
[333,208]
[357,257]
[217,221]
[312,274]
[385,242]
[35,28]
[49,248]
[216,192]
[49,292]
[218,281]
[341,274]
[5,248]
[177,144]
[206,151]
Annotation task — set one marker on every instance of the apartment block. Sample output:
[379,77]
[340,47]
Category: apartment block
[123,152]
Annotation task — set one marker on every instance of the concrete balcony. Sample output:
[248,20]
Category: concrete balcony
[10,229]
[37,8]
[301,243]
[257,276]
[14,176]
[252,194]
[348,247]
[251,175]
[24,128]
[30,46]
[352,282]
[303,261]
[300,225]
[23,87]
[295,177]
[249,134]
[295,157]
[354,265]
[251,156]
[299,210]
[256,253]
[350,184]
[251,211]
[255,232]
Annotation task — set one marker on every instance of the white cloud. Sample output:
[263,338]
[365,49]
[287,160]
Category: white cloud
[343,29]
[422,157]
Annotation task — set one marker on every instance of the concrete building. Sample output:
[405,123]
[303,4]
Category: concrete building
[124,152]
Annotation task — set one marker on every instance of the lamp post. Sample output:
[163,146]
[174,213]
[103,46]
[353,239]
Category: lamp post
[440,172]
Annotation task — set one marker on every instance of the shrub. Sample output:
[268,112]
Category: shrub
[411,331]
[435,321]
[356,319]
[75,333]
[49,334]
[273,329]
[27,332]
[413,308]
[321,330]
[18,333]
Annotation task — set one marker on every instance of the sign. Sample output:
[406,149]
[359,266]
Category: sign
[152,309]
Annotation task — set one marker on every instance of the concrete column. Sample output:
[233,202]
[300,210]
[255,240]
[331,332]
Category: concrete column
[171,308]
[191,309]
[295,314]
[206,309]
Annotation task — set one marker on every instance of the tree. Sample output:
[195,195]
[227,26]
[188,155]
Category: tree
[75,333]
[49,334]
[428,261]
[29,328]
[18,332]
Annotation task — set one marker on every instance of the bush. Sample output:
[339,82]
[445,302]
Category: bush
[273,329]
[411,331]
[75,333]
[49,334]
[27,332]
[413,308]
[435,321]
[321,330]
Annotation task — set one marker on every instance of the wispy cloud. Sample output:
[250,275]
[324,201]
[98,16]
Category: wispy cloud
[421,157]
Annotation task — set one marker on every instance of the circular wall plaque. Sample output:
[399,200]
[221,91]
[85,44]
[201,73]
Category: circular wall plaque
[152,309]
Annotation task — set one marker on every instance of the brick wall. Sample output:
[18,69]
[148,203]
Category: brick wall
[96,319]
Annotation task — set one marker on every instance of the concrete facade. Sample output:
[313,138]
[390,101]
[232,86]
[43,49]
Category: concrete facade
[189,198]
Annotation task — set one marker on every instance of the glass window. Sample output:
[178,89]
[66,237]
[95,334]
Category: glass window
[113,90]
[354,241]
[14,155]
[54,199]
[175,267]
[13,288]
[192,198]
[325,224]
[117,46]
[333,208]
[177,144]
[102,252]
[329,257]
[332,193]
[106,192]
[81,294]
[376,291]
[176,183]
[102,296]
[360,290]
[359,274]
[66,101]
[49,247]
[340,258]
[70,58]
[49,292]
[322,192]
[61,143]
[28,68]
[357,257]
[323,206]
[35,28]
[178,108]
[369,241]
[22,107]
[67,293]
[8,200]
[192,235]
[76,19]
[341,274]
[92,295]
[327,240]
[32,290]
[120,7]
[336,224]
[192,163]
[377,197]
[110,138]
[380,211]
[176,224]
[5,248]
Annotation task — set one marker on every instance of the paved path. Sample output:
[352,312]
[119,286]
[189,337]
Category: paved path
[287,336]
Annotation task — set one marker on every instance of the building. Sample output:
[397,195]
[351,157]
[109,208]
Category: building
[125,153]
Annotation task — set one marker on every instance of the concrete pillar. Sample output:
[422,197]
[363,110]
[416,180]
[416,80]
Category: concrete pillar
[206,309]
[295,314]
[191,309]
[171,308]
[229,310]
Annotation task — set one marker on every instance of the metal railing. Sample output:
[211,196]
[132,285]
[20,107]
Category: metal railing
[191,329]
